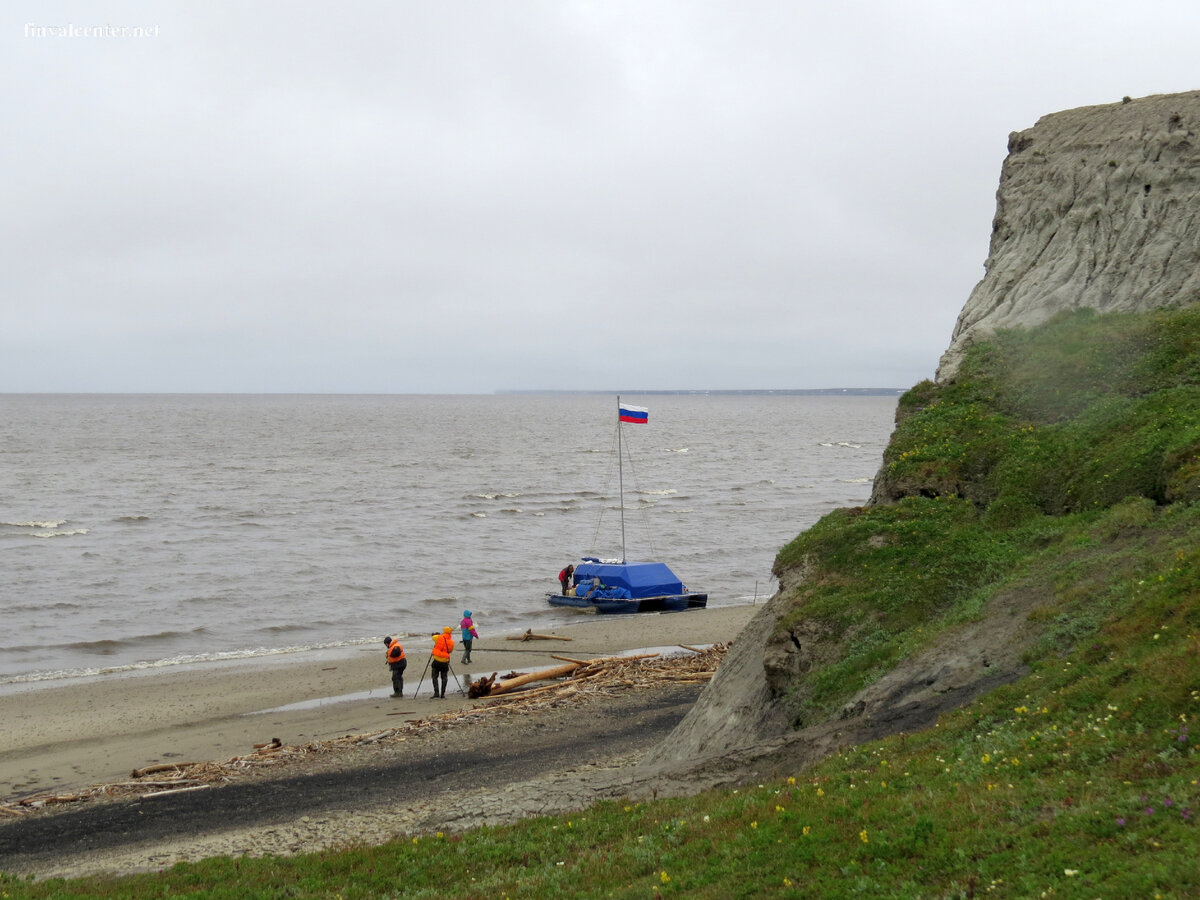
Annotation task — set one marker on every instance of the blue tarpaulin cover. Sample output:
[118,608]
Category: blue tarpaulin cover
[607,593]
[640,579]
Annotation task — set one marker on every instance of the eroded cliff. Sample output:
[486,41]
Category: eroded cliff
[1097,207]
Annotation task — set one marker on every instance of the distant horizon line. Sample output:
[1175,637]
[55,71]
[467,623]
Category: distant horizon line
[722,391]
[875,391]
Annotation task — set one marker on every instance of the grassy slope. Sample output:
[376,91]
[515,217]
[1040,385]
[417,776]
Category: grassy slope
[1064,463]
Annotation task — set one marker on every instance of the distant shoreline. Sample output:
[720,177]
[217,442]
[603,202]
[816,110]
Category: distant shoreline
[782,392]
[697,392]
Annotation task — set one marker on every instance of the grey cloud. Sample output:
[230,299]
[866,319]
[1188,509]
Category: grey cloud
[468,197]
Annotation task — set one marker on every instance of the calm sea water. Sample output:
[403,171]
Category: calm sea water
[147,530]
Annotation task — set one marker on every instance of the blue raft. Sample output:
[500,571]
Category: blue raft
[627,587]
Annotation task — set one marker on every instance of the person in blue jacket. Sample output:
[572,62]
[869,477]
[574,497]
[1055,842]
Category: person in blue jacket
[468,634]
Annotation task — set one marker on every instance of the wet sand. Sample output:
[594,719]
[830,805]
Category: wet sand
[96,731]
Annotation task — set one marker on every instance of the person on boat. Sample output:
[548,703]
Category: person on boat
[443,646]
[468,634]
[564,578]
[397,661]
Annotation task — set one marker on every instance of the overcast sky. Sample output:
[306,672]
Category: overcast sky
[446,197]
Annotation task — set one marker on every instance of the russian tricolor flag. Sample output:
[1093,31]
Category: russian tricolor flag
[637,414]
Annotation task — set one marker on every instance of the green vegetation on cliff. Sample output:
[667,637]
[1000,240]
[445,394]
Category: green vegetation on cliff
[1061,466]
[1059,476]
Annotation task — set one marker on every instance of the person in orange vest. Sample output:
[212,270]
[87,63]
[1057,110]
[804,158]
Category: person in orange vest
[397,661]
[443,646]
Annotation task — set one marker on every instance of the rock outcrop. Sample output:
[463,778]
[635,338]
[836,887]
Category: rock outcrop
[744,723]
[1097,207]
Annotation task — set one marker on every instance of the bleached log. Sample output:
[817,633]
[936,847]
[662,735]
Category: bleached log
[39,802]
[142,784]
[173,791]
[378,736]
[162,767]
[502,687]
[486,687]
[530,636]
[515,698]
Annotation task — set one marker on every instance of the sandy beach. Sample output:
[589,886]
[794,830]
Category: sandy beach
[96,731]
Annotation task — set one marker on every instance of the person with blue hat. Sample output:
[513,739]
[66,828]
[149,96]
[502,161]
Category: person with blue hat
[468,634]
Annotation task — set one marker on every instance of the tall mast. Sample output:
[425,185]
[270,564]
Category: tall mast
[621,477]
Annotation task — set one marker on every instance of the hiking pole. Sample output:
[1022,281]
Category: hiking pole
[423,671]
[452,672]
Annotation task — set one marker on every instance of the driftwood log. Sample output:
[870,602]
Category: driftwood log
[173,791]
[490,687]
[530,636]
[162,767]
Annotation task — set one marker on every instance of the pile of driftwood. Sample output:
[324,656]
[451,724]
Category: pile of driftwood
[575,681]
[605,675]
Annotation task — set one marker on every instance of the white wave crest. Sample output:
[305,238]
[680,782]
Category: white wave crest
[216,656]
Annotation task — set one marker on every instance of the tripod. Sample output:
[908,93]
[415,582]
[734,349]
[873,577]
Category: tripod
[450,667]
[422,679]
[456,681]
